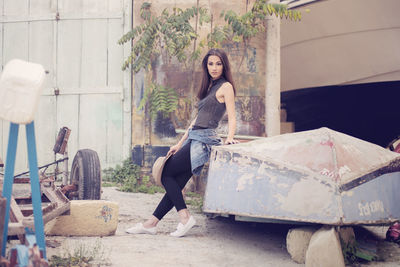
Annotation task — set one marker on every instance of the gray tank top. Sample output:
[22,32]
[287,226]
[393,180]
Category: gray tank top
[210,111]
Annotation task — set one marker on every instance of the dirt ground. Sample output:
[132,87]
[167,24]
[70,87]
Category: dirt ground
[213,242]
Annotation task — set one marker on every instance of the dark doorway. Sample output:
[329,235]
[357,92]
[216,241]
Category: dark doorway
[367,111]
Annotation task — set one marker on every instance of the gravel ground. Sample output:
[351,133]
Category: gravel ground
[213,242]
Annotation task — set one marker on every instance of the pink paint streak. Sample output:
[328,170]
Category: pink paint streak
[327,143]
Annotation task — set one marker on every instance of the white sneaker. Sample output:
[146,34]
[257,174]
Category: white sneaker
[140,229]
[182,229]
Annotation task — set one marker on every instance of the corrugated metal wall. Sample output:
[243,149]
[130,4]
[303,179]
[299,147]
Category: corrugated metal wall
[85,90]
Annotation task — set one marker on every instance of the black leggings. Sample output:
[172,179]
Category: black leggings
[176,173]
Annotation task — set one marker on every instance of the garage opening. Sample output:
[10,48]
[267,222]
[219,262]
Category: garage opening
[367,111]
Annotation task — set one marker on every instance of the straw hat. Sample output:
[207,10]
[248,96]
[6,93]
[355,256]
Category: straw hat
[158,167]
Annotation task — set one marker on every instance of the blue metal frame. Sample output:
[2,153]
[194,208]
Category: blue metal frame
[8,178]
[35,185]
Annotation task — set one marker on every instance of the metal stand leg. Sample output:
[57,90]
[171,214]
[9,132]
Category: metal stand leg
[34,179]
[9,179]
[35,187]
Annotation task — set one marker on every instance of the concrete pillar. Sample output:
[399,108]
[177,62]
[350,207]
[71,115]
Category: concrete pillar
[273,75]
[325,249]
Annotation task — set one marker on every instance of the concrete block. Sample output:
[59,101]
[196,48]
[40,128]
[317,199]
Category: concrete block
[325,249]
[86,218]
[297,241]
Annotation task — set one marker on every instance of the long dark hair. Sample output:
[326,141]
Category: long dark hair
[207,80]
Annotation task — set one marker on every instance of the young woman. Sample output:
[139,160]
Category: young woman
[217,96]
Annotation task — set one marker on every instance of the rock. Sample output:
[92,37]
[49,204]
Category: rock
[297,241]
[86,218]
[325,249]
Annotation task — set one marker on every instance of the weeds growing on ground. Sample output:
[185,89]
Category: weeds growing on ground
[81,255]
[194,200]
[128,179]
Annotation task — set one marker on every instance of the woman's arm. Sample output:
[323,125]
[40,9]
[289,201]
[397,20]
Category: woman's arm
[175,148]
[229,99]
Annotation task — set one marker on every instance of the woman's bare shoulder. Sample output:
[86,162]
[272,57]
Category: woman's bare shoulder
[226,86]
[226,83]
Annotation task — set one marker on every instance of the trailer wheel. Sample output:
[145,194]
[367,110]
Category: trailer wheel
[85,173]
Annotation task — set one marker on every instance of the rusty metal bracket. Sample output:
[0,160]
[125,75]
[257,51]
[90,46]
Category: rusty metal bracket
[62,140]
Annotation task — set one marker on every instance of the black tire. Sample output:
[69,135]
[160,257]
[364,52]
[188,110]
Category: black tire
[86,174]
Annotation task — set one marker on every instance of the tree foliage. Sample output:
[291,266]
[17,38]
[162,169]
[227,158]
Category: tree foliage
[241,28]
[161,99]
[171,33]
[168,34]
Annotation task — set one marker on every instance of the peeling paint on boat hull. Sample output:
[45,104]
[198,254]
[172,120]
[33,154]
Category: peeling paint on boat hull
[255,187]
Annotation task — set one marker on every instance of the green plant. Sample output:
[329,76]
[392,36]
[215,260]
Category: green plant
[81,255]
[120,174]
[147,187]
[242,28]
[107,175]
[354,253]
[168,35]
[194,200]
[161,99]
[108,184]
[127,178]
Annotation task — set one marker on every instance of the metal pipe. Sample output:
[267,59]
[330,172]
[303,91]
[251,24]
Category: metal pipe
[65,172]
[44,166]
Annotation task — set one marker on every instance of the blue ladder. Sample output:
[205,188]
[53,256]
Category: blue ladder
[34,180]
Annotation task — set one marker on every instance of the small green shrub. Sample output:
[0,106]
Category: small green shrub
[127,178]
[121,174]
[109,184]
[194,200]
[81,255]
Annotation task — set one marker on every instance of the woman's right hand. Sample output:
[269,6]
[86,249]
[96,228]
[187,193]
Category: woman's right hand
[174,149]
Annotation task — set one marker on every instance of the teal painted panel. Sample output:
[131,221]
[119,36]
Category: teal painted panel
[375,200]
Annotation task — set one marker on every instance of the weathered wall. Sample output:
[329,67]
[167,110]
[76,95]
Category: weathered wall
[249,79]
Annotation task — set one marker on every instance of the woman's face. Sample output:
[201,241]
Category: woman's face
[215,67]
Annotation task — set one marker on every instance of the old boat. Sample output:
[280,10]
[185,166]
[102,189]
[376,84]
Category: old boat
[318,176]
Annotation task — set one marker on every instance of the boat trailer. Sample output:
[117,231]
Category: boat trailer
[57,186]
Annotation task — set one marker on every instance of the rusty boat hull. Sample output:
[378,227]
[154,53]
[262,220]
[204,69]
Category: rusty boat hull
[319,176]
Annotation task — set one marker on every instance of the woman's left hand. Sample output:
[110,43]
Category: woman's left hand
[229,141]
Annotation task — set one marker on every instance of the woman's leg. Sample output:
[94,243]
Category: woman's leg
[166,203]
[176,173]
